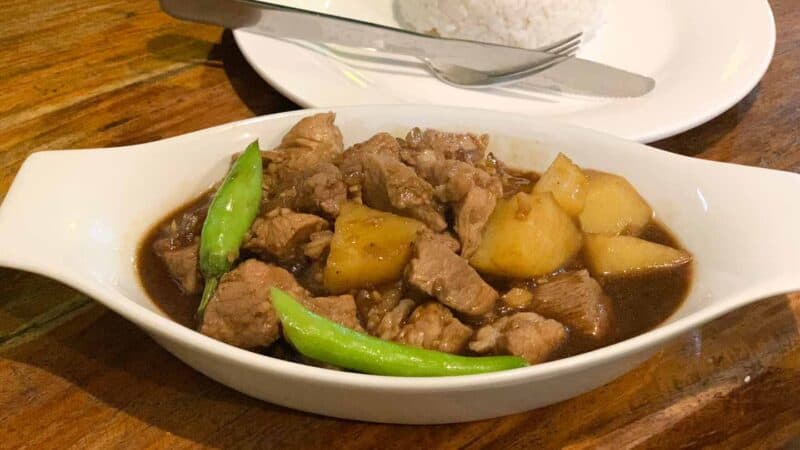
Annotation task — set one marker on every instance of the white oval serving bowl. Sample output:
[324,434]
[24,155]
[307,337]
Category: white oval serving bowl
[79,216]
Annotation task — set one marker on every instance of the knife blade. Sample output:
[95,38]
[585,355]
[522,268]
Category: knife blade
[584,77]
[572,75]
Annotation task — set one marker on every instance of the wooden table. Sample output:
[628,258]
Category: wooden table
[95,73]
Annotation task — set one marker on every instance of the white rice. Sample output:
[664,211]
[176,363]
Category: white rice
[518,23]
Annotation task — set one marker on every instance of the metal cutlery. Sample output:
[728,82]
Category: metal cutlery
[456,62]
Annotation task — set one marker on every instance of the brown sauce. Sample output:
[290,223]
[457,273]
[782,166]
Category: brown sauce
[640,303]
[155,279]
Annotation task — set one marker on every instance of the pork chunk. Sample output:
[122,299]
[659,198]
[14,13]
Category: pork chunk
[313,132]
[340,309]
[182,264]
[455,179]
[178,247]
[240,312]
[312,277]
[433,326]
[186,229]
[473,192]
[390,325]
[447,239]
[576,300]
[282,233]
[517,297]
[380,144]
[318,243]
[524,334]
[472,215]
[385,182]
[322,189]
[422,160]
[312,184]
[437,271]
[375,303]
[469,148]
[301,173]
[390,185]
[283,166]
[352,165]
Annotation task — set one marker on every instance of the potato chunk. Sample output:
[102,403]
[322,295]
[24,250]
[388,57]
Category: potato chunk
[613,206]
[527,235]
[369,247]
[567,183]
[620,255]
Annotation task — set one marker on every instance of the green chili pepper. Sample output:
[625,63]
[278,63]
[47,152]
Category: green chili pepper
[327,341]
[230,215]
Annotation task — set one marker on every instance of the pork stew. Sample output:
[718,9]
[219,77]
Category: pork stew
[427,241]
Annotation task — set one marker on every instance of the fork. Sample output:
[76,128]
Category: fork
[460,76]
[459,62]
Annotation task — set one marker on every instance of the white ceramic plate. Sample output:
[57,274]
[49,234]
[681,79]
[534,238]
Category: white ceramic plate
[78,217]
[705,56]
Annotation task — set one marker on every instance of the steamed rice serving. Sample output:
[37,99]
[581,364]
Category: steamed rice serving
[518,23]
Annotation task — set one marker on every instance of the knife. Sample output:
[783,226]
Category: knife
[569,75]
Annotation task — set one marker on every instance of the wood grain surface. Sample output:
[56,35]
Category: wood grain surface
[94,73]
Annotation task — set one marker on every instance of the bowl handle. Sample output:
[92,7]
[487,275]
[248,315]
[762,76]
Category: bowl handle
[766,214]
[57,218]
[25,238]
[80,214]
